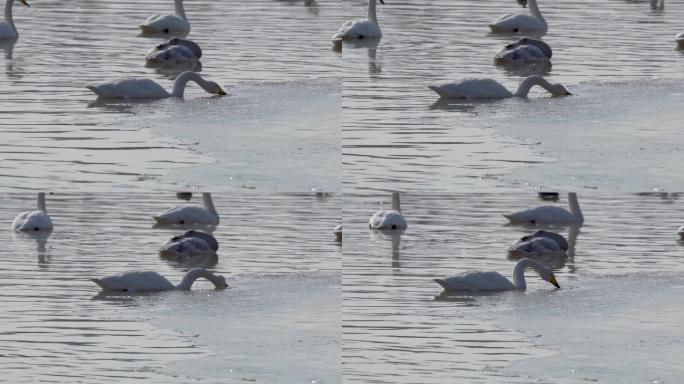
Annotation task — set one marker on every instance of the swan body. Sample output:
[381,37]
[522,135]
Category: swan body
[389,219]
[490,89]
[679,39]
[174,24]
[152,281]
[135,88]
[532,22]
[555,237]
[33,221]
[191,214]
[191,244]
[173,52]
[536,247]
[680,232]
[7,29]
[549,214]
[524,51]
[493,281]
[338,232]
[361,28]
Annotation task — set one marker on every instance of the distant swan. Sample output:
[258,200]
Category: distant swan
[680,232]
[338,232]
[190,214]
[177,24]
[521,22]
[389,219]
[360,29]
[191,244]
[524,51]
[33,221]
[135,88]
[536,247]
[549,214]
[494,281]
[7,29]
[490,89]
[173,52]
[152,281]
[679,39]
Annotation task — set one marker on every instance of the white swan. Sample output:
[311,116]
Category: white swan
[524,51]
[549,214]
[490,89]
[540,233]
[338,232]
[521,22]
[190,244]
[135,88]
[190,214]
[7,29]
[494,281]
[360,29]
[173,52]
[152,281]
[389,219]
[175,24]
[33,221]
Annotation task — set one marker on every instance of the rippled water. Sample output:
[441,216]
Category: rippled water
[272,56]
[617,57]
[613,313]
[277,251]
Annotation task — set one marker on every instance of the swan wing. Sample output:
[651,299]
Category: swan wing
[542,215]
[387,219]
[517,22]
[358,29]
[131,88]
[472,89]
[476,281]
[32,221]
[135,282]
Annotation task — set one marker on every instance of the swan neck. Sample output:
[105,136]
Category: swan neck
[371,11]
[574,206]
[534,10]
[190,277]
[180,11]
[182,81]
[396,206]
[209,203]
[531,81]
[8,14]
[519,272]
[41,202]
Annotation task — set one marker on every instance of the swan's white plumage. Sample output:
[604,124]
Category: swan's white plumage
[136,88]
[8,31]
[191,244]
[174,24]
[360,29]
[33,221]
[139,281]
[490,89]
[549,214]
[538,246]
[173,52]
[478,281]
[190,214]
[532,22]
[524,51]
[389,219]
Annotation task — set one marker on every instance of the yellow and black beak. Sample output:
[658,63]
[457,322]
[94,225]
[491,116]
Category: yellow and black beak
[25,3]
[553,281]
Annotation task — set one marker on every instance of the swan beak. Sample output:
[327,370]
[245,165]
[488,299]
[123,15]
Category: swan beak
[222,92]
[382,2]
[567,93]
[553,281]
[25,3]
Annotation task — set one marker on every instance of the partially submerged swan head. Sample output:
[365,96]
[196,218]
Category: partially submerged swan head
[559,90]
[544,272]
[214,88]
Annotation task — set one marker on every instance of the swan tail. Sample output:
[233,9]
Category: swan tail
[98,282]
[441,282]
[437,89]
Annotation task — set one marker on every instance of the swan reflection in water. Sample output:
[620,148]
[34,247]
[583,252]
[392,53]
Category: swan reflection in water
[41,238]
[394,236]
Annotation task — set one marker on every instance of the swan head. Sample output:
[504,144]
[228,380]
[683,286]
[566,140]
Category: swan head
[221,282]
[547,275]
[559,90]
[215,89]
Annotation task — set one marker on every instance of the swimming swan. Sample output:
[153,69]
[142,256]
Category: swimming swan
[521,22]
[535,248]
[152,281]
[494,281]
[176,24]
[524,51]
[549,214]
[360,29]
[33,221]
[389,219]
[173,52]
[190,214]
[135,88]
[190,244]
[7,29]
[490,89]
